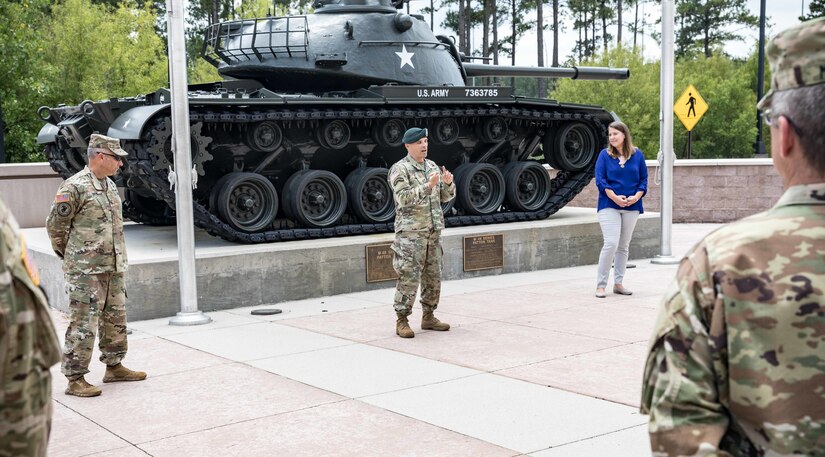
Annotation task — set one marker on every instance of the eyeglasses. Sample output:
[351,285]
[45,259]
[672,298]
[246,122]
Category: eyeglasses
[105,152]
[770,117]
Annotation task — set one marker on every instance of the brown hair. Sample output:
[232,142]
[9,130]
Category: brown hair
[627,147]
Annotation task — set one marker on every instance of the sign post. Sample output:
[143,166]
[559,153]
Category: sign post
[689,108]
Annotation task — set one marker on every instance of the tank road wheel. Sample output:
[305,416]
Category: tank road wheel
[389,133]
[572,147]
[492,129]
[265,136]
[528,186]
[445,131]
[333,134]
[369,195]
[246,201]
[314,198]
[479,188]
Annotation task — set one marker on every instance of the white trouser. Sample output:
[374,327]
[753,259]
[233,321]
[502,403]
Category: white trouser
[617,229]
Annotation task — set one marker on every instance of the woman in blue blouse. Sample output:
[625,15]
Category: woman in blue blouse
[621,176]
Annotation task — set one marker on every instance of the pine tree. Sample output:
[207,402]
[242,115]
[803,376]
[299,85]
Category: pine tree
[705,24]
[816,9]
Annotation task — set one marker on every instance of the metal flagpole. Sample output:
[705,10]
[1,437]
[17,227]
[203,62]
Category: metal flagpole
[182,178]
[666,136]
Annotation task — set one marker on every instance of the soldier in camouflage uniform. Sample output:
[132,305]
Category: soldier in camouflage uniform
[28,347]
[419,188]
[737,360]
[85,226]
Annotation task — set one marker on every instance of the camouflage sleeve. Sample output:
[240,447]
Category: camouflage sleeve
[679,389]
[447,191]
[59,222]
[406,193]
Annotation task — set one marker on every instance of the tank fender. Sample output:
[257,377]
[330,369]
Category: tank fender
[129,125]
[47,134]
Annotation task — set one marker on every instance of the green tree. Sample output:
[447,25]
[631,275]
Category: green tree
[705,24]
[121,54]
[816,9]
[21,83]
[590,17]
[728,128]
[635,100]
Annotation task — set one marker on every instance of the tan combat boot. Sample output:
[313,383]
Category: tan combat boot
[119,373]
[80,388]
[402,327]
[430,322]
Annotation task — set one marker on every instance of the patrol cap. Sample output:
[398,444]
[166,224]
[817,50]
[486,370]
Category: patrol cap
[796,57]
[414,134]
[98,141]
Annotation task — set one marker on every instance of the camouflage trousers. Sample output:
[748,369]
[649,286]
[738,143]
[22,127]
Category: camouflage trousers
[97,305]
[418,262]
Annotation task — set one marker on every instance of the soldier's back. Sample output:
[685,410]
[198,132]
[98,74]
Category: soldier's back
[28,347]
[769,275]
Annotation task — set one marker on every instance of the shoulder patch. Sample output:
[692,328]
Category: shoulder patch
[62,197]
[64,209]
[394,174]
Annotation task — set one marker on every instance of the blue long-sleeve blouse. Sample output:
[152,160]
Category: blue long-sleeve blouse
[625,180]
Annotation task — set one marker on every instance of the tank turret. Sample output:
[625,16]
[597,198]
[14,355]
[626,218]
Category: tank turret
[297,141]
[352,44]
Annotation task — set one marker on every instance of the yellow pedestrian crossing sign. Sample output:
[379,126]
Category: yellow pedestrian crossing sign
[690,107]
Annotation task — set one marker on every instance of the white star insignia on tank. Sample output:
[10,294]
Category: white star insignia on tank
[406,57]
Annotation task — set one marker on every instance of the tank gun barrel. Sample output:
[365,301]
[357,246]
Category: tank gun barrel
[594,73]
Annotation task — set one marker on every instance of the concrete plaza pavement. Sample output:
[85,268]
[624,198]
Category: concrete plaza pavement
[534,364]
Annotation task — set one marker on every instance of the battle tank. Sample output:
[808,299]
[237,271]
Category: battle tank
[297,141]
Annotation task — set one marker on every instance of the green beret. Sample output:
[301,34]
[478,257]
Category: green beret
[414,134]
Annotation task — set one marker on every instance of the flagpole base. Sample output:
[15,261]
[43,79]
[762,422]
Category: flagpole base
[665,260]
[194,318]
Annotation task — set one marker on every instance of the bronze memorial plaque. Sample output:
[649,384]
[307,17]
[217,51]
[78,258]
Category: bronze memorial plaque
[379,263]
[483,251]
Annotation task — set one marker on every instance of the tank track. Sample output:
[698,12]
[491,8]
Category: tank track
[564,187]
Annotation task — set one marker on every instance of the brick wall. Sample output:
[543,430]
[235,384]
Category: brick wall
[719,190]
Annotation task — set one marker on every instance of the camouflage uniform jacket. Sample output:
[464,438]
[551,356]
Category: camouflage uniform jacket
[737,360]
[28,345]
[85,225]
[417,208]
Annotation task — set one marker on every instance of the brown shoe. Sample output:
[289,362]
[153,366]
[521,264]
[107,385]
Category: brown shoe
[402,327]
[119,373]
[430,322]
[80,388]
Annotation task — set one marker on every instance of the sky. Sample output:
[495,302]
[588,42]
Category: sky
[780,14]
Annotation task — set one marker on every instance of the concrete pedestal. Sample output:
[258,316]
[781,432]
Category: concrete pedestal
[232,275]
